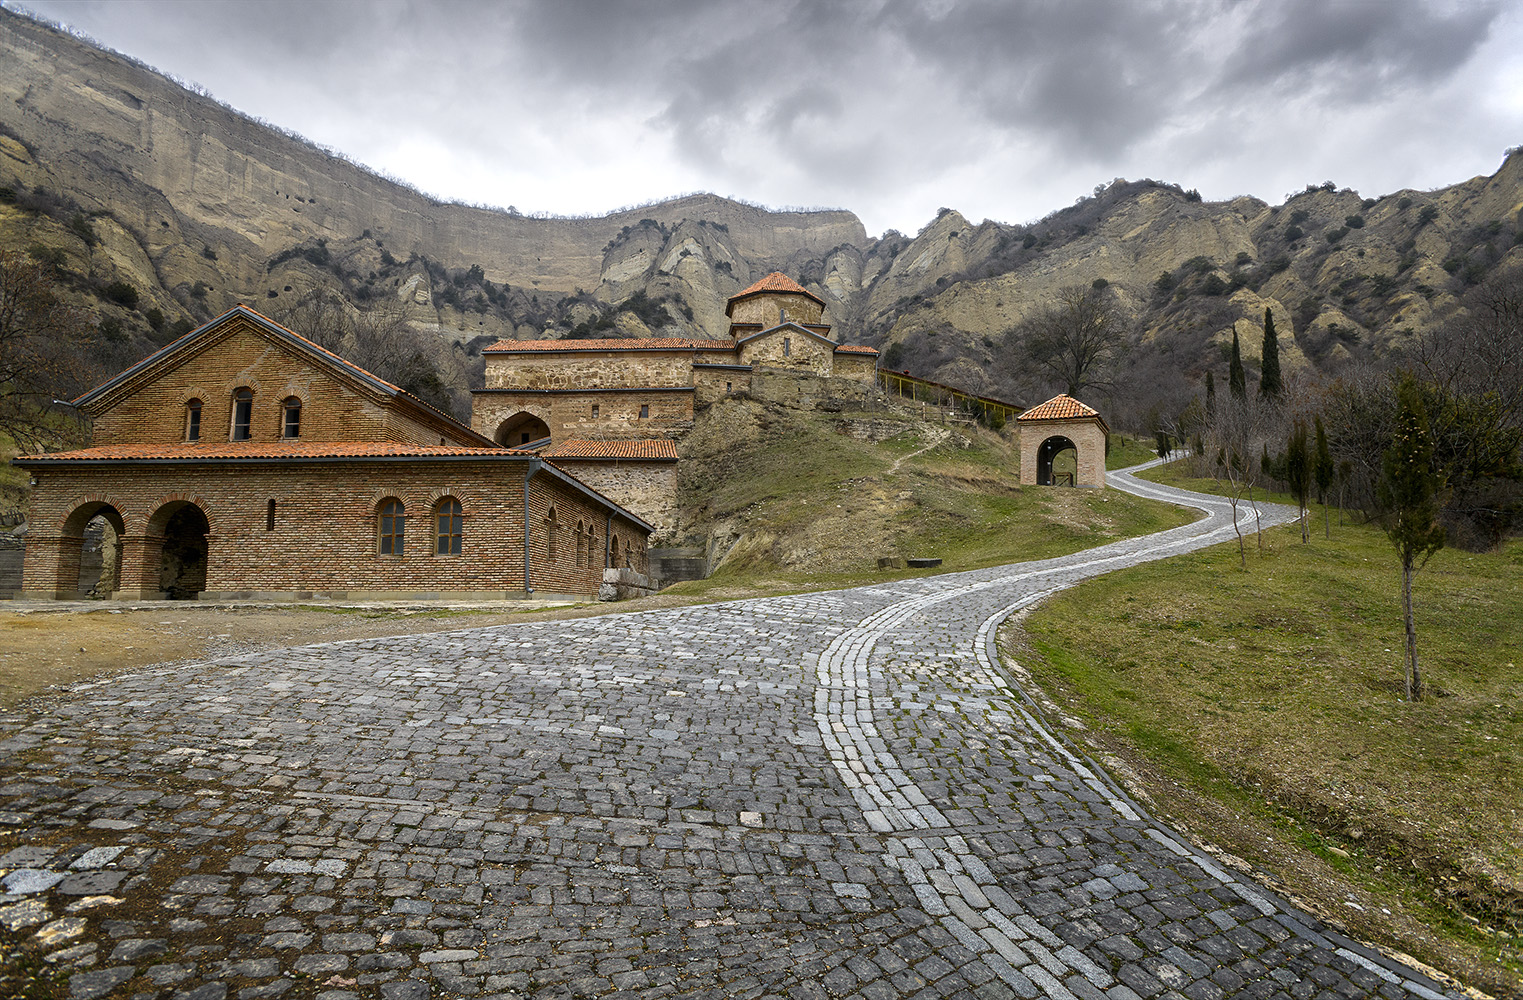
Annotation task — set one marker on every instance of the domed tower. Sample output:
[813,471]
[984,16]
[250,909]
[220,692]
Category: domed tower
[773,301]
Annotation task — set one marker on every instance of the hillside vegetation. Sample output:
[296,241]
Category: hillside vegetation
[1264,710]
[160,208]
[789,499]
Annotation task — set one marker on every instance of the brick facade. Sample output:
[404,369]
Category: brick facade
[1059,423]
[300,518]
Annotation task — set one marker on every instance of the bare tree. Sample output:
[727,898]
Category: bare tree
[1479,351]
[45,352]
[1075,342]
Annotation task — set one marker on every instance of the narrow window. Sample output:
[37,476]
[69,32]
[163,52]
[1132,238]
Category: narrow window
[581,545]
[613,551]
[787,347]
[391,525]
[727,387]
[594,411]
[243,413]
[290,424]
[193,420]
[269,516]
[523,438]
[644,411]
[550,529]
[449,522]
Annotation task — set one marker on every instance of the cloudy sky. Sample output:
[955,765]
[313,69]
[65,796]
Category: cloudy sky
[1002,109]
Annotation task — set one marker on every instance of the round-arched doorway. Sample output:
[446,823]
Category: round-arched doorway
[1057,462]
[520,429]
[182,557]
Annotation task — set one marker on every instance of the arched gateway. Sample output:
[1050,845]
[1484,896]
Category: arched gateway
[1050,431]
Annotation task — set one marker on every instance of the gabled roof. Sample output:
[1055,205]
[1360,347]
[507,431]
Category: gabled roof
[790,325]
[1063,407]
[776,282]
[650,449]
[607,344]
[166,358]
[855,349]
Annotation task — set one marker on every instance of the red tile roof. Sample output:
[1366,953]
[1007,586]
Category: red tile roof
[658,449]
[1059,407]
[855,349]
[188,452]
[777,281]
[610,344]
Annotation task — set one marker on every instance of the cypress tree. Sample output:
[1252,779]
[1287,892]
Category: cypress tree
[1270,386]
[1210,396]
[1323,469]
[1237,379]
[1298,470]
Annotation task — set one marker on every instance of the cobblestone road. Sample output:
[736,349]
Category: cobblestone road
[828,795]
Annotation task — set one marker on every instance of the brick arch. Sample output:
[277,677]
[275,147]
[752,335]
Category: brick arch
[96,501]
[466,497]
[510,429]
[164,508]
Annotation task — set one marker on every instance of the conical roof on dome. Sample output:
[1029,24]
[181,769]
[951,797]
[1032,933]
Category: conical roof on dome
[775,282]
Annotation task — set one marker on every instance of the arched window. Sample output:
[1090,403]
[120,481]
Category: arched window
[448,519]
[193,420]
[290,419]
[390,525]
[613,551]
[243,413]
[581,545]
[551,527]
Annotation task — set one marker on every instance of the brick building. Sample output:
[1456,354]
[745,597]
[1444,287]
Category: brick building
[1058,425]
[243,460]
[550,391]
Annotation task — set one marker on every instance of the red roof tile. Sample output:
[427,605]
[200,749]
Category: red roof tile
[855,349]
[610,344]
[777,281]
[650,449]
[269,449]
[1059,407]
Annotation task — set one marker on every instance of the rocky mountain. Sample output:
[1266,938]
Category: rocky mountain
[161,207]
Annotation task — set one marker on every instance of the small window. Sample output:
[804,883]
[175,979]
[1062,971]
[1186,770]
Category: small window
[193,420]
[594,411]
[644,412]
[581,545]
[449,520]
[550,530]
[243,413]
[269,516]
[727,387]
[392,522]
[787,347]
[613,551]
[290,423]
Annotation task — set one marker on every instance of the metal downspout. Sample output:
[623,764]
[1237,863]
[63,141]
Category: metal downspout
[534,465]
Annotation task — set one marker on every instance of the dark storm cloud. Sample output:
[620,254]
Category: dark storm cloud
[888,107]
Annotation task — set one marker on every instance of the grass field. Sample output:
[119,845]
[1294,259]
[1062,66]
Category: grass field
[1267,704]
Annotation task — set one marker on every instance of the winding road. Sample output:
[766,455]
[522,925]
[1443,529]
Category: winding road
[827,795]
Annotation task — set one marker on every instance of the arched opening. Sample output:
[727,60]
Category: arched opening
[182,555]
[520,429]
[1057,462]
[90,558]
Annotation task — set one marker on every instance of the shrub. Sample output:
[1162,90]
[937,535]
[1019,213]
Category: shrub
[208,253]
[1404,204]
[121,293]
[387,259]
[7,196]
[111,329]
[1213,285]
[1028,241]
[1334,235]
[1299,215]
[1428,214]
[1293,233]
[1165,282]
[1244,258]
[81,227]
[1099,283]
[155,319]
[1354,221]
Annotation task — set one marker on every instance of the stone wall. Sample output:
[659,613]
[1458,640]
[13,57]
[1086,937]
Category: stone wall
[713,384]
[789,349]
[320,536]
[571,414]
[647,489]
[590,370]
[857,367]
[806,391]
[766,309]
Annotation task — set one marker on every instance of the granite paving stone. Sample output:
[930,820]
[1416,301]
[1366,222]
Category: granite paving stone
[839,794]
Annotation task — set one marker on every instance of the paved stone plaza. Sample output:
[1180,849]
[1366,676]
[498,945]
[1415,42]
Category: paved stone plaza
[828,795]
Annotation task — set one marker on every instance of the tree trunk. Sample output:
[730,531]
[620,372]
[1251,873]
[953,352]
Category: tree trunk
[1414,677]
[1327,522]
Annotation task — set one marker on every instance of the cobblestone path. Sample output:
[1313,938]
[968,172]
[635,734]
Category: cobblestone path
[828,795]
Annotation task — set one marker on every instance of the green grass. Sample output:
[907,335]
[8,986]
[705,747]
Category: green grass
[816,509]
[1126,452]
[1278,691]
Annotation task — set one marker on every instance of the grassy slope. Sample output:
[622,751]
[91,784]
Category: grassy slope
[1275,694]
[815,508]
